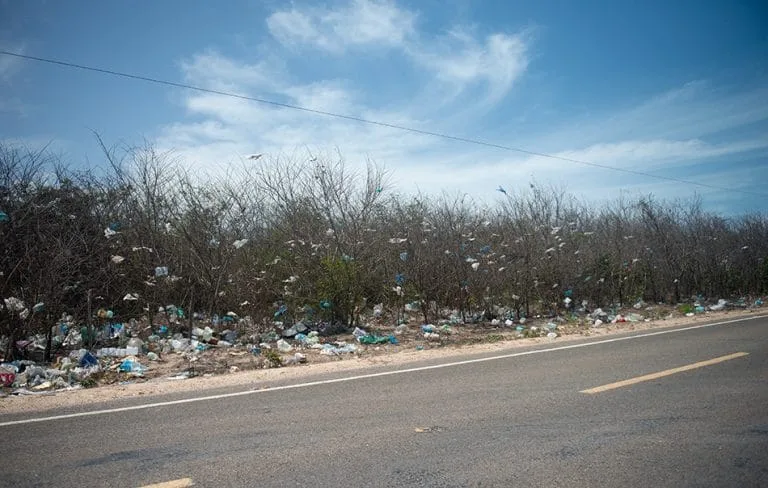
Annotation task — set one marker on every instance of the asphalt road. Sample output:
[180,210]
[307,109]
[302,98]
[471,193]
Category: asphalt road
[521,420]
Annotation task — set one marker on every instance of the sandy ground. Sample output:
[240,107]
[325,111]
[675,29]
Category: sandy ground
[374,356]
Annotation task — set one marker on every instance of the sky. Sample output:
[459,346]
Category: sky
[675,89]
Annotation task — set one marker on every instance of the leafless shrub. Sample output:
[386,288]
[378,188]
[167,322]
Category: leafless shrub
[313,240]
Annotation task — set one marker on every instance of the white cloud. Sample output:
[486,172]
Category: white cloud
[326,95]
[479,172]
[663,134]
[460,60]
[232,128]
[214,71]
[655,154]
[694,110]
[361,23]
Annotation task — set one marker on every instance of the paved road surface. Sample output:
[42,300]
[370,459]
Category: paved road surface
[514,421]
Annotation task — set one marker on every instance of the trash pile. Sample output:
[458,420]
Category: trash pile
[114,351]
[77,370]
[176,348]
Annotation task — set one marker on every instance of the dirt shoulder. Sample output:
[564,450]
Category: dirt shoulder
[240,367]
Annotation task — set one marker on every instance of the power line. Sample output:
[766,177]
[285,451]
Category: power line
[466,140]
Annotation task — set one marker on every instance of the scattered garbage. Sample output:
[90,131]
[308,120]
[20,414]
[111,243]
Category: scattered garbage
[598,314]
[284,346]
[123,348]
[292,331]
[281,310]
[719,306]
[116,352]
[7,378]
[375,339]
[297,358]
[132,365]
[87,359]
[13,304]
[337,349]
[358,333]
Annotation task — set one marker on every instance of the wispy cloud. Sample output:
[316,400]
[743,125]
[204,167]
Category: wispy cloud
[666,133]
[222,73]
[461,61]
[695,110]
[360,23]
[458,60]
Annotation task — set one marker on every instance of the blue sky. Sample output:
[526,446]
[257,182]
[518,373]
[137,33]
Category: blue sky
[671,88]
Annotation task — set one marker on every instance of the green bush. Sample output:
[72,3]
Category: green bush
[272,357]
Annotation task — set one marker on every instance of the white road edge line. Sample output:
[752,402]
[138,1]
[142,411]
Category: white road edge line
[366,376]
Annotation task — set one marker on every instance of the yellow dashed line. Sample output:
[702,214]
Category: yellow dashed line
[661,374]
[180,483]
